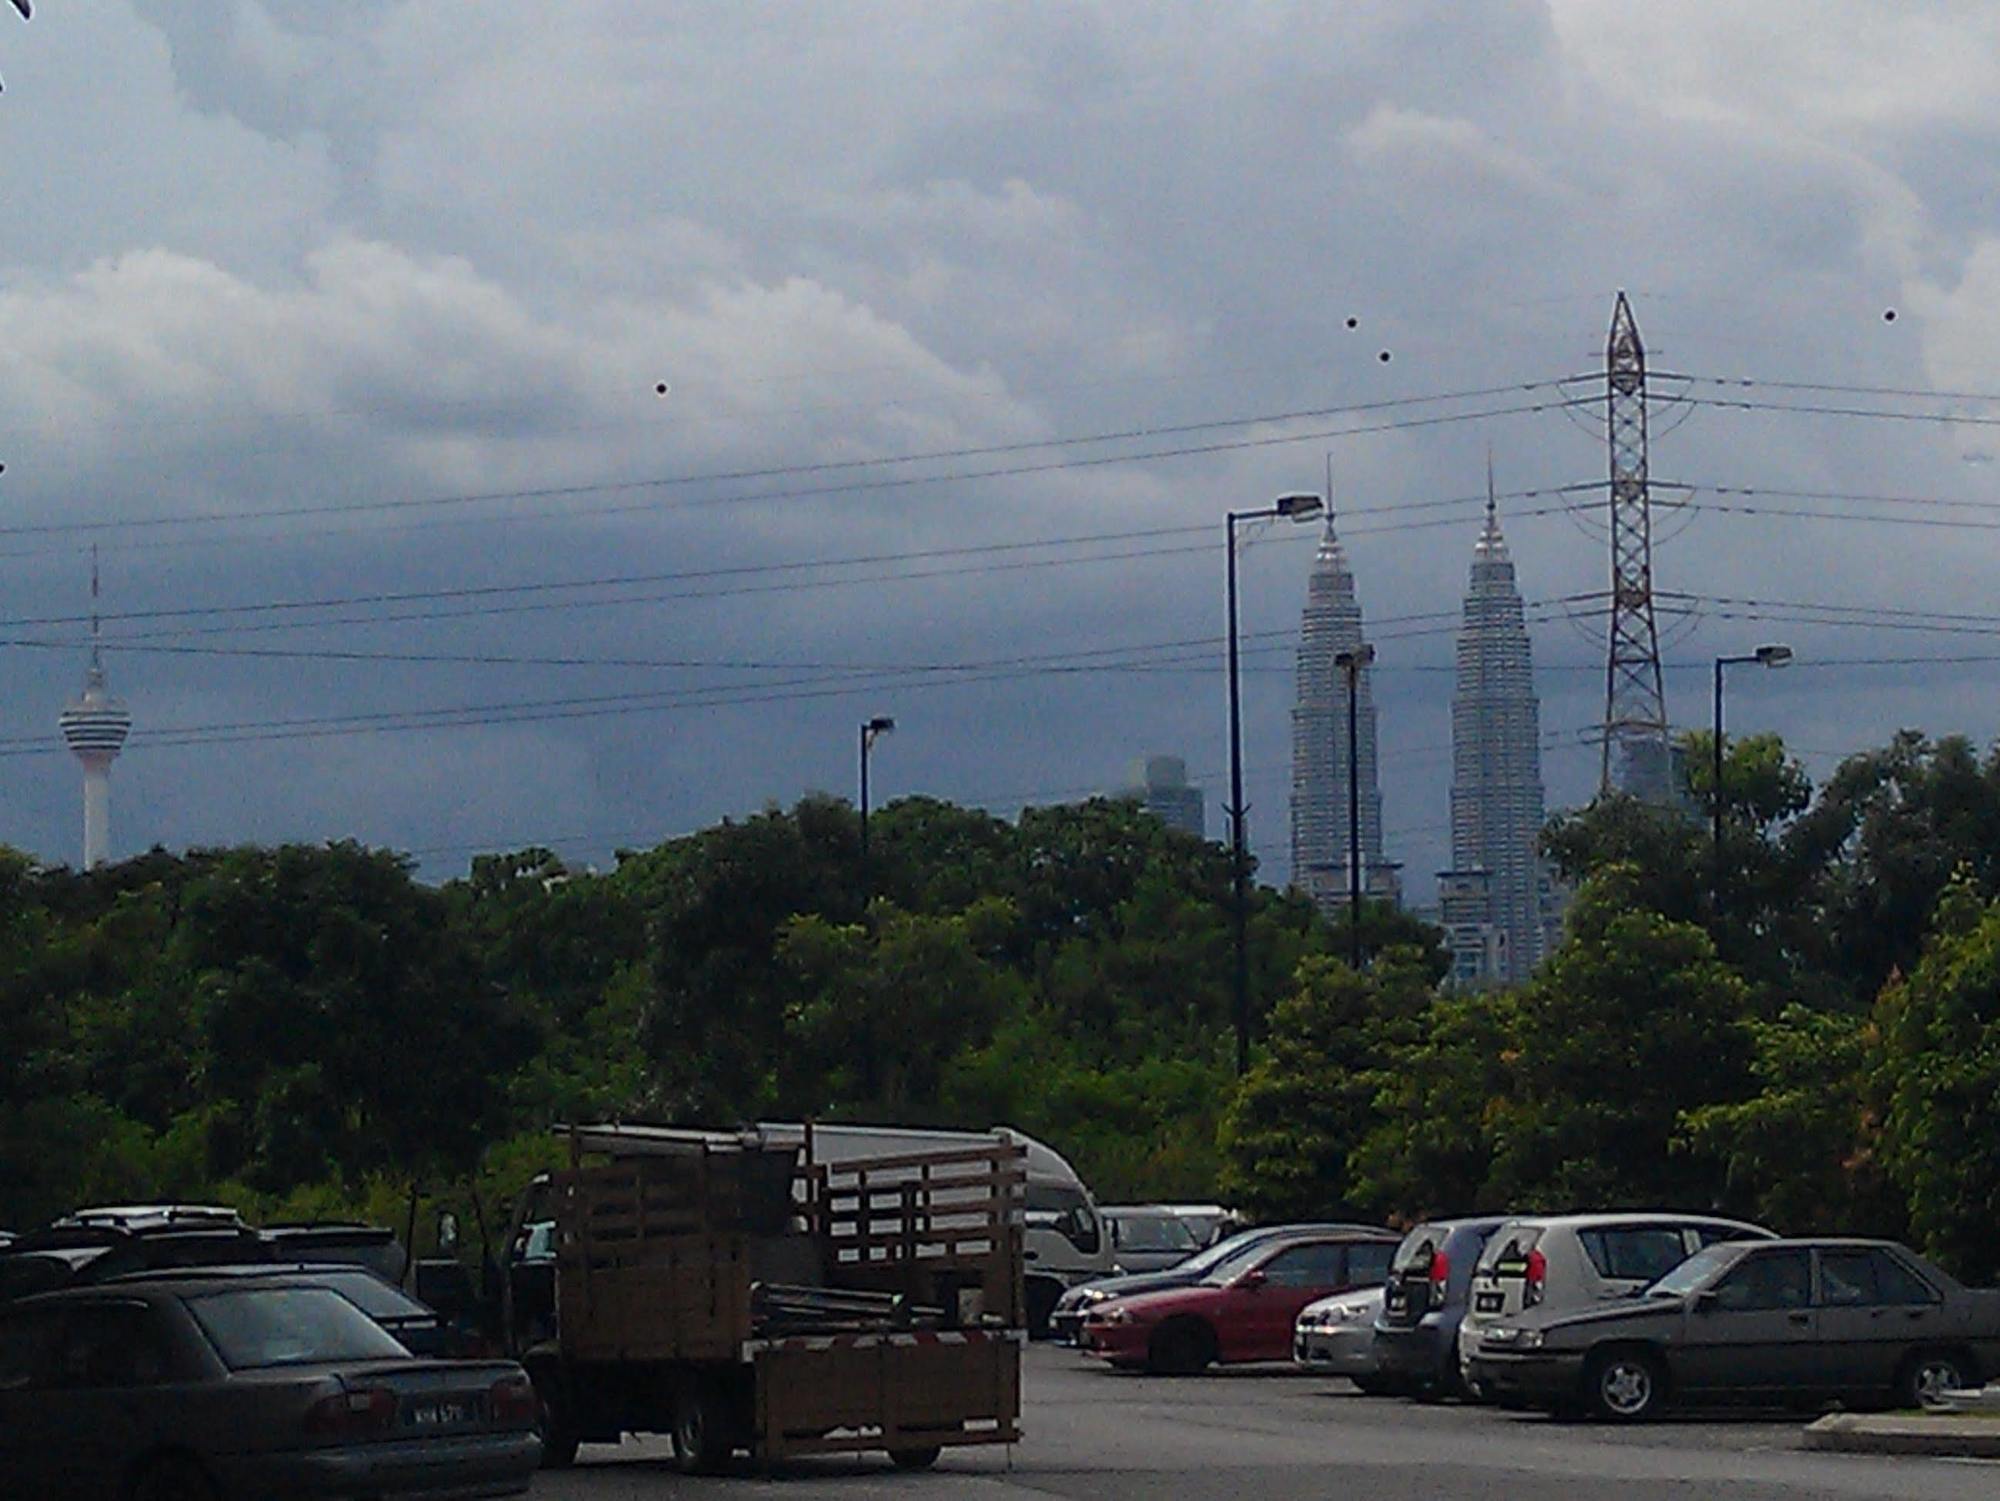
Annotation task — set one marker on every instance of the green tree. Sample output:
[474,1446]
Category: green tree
[1632,1023]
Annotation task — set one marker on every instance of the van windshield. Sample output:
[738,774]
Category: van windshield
[1060,1207]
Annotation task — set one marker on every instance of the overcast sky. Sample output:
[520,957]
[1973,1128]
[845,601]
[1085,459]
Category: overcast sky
[414,274]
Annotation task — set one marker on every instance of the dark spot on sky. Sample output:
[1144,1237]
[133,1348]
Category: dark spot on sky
[1354,323]
[1383,356]
[660,389]
[1890,316]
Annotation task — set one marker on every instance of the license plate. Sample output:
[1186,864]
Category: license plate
[440,1414]
[1489,1302]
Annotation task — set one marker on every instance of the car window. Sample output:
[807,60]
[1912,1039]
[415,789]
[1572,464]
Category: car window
[27,1340]
[1368,1263]
[1868,1279]
[1640,1253]
[1691,1273]
[375,1297]
[1506,1255]
[1418,1250]
[1305,1266]
[1151,1232]
[110,1345]
[273,1326]
[1767,1280]
[1709,1233]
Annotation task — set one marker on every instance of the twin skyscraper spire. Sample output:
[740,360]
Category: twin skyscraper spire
[1496,902]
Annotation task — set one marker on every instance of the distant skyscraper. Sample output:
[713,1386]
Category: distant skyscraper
[1497,804]
[95,725]
[1332,625]
[1160,785]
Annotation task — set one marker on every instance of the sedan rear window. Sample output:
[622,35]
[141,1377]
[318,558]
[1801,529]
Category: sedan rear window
[274,1326]
[375,1297]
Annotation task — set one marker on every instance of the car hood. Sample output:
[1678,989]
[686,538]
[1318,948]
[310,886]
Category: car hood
[1368,1298]
[1138,1282]
[1160,1300]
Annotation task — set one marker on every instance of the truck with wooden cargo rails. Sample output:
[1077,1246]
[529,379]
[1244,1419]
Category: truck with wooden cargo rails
[735,1291]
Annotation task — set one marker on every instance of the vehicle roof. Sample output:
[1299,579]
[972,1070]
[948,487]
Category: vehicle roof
[124,1214]
[332,1230]
[237,1271]
[153,1289]
[1630,1217]
[1112,1211]
[1468,1222]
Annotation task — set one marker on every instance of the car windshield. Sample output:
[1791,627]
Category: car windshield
[1231,1267]
[1153,1232]
[253,1328]
[1696,1270]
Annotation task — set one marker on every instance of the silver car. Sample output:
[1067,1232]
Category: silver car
[1576,1261]
[1336,1336]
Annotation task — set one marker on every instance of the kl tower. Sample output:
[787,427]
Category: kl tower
[95,725]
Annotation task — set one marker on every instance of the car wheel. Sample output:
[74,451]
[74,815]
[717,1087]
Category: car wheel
[1185,1347]
[1625,1385]
[702,1440]
[915,1459]
[175,1478]
[1928,1375]
[1042,1300]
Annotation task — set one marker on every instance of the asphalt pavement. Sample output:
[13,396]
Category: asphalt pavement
[1094,1435]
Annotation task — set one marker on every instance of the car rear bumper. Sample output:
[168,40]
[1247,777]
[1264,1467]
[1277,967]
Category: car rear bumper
[1540,1378]
[434,1469]
[1338,1352]
[1426,1351]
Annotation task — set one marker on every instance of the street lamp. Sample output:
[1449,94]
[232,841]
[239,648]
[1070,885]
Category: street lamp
[1773,655]
[1351,663]
[871,731]
[1301,507]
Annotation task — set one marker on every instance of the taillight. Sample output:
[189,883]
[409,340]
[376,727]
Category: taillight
[511,1403]
[1440,1270]
[346,1416]
[1536,1281]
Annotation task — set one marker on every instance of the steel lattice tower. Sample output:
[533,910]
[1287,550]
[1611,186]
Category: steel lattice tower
[1635,702]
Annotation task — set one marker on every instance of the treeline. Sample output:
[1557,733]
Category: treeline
[310,1030]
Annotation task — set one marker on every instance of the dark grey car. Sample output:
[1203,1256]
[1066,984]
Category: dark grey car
[1430,1283]
[226,1389]
[1784,1320]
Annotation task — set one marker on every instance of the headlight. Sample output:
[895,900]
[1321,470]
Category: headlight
[1116,1316]
[1503,1334]
[1531,1339]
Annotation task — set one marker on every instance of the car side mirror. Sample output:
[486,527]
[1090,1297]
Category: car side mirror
[1252,1280]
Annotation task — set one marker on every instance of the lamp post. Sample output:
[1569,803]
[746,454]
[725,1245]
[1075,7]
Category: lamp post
[1774,655]
[1292,508]
[1351,663]
[871,731]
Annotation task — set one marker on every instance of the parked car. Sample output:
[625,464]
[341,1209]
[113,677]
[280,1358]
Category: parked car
[1337,1336]
[1424,1301]
[413,1325]
[320,1241]
[81,1249]
[1856,1320]
[1243,1310]
[1147,1238]
[226,1387]
[1067,1319]
[1577,1260]
[1210,1222]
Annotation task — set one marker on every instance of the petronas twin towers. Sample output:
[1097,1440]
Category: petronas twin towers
[1495,902]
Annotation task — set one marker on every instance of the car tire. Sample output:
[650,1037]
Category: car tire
[704,1438]
[1042,1298]
[1929,1373]
[1625,1385]
[915,1459]
[173,1478]
[1184,1347]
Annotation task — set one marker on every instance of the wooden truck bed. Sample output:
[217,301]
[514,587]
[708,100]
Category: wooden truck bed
[836,1394]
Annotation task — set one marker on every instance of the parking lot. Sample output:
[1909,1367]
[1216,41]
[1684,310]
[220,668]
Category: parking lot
[1276,1436]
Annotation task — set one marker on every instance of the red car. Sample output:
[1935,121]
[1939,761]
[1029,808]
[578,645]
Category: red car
[1242,1311]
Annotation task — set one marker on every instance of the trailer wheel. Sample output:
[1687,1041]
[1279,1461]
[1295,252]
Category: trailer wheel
[915,1459]
[703,1441]
[553,1423]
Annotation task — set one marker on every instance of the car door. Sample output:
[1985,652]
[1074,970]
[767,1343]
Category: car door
[27,1349]
[1291,1278]
[1873,1311]
[1752,1330]
[96,1410]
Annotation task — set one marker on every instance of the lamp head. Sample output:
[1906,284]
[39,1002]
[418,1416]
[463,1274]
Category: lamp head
[1301,507]
[1365,657]
[1774,655]
[880,725]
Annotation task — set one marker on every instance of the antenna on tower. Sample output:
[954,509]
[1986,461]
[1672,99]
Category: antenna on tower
[1635,703]
[96,625]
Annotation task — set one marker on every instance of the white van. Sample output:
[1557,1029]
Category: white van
[1065,1241]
